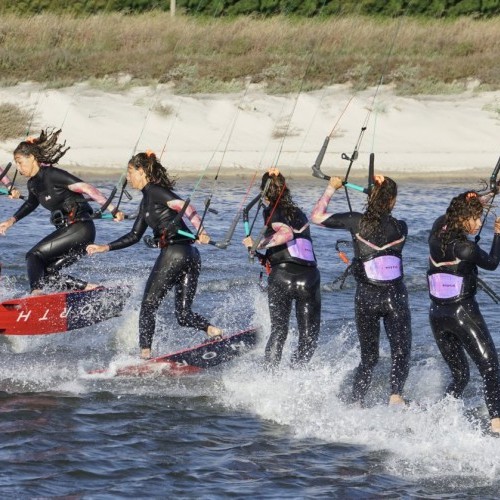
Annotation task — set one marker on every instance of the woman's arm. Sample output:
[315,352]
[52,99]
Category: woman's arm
[319,214]
[282,234]
[131,238]
[92,192]
[26,208]
[472,252]
[193,217]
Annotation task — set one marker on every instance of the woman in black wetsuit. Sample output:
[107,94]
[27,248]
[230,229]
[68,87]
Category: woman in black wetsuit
[63,194]
[178,264]
[294,274]
[378,269]
[456,321]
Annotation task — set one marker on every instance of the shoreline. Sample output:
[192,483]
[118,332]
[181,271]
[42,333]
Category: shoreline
[357,172]
[112,174]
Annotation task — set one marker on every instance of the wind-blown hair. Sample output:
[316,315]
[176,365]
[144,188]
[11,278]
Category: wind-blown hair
[45,148]
[380,203]
[155,172]
[278,193]
[461,208]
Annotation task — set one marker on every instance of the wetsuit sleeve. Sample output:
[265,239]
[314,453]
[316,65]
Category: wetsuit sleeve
[132,237]
[347,220]
[319,213]
[27,207]
[281,234]
[471,252]
[5,179]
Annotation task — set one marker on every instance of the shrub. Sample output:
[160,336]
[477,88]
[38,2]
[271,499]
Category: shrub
[14,121]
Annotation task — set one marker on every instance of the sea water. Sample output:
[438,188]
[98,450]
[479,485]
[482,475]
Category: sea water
[237,430]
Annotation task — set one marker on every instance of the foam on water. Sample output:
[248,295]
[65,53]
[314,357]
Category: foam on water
[433,438]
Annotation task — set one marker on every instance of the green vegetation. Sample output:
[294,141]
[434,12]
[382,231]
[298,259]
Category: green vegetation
[307,8]
[199,54]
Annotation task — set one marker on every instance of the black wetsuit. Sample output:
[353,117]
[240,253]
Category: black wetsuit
[178,264]
[380,294]
[457,323]
[294,277]
[71,214]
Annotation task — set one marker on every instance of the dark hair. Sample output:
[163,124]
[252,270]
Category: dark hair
[155,172]
[278,194]
[44,148]
[461,207]
[380,203]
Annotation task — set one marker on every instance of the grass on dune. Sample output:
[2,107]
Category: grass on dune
[200,55]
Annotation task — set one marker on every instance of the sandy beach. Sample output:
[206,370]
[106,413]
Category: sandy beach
[438,136]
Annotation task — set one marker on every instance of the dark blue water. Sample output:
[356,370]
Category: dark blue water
[237,431]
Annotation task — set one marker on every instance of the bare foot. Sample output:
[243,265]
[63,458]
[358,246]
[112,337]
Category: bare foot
[37,292]
[90,286]
[495,425]
[146,353]
[213,331]
[396,399]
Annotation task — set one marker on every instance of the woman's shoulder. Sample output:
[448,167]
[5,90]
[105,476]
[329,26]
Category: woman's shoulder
[438,223]
[57,173]
[464,248]
[160,194]
[401,224]
[296,218]
[159,189]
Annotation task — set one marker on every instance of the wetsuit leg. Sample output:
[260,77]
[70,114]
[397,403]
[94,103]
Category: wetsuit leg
[280,299]
[308,314]
[397,323]
[367,314]
[159,282]
[185,291]
[59,249]
[176,265]
[470,334]
[481,348]
[444,327]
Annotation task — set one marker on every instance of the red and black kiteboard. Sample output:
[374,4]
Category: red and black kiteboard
[192,360]
[61,312]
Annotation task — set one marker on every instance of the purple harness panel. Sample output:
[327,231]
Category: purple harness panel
[301,248]
[445,286]
[383,268]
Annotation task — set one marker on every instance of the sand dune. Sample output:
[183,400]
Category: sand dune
[424,135]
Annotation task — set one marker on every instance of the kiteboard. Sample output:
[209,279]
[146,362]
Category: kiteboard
[61,312]
[188,361]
